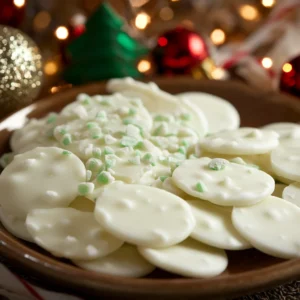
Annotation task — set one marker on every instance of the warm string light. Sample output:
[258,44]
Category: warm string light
[142,20]
[166,13]
[218,36]
[62,32]
[287,67]
[218,74]
[267,62]
[249,12]
[19,3]
[144,66]
[268,3]
[50,68]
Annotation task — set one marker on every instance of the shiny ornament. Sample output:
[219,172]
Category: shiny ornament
[20,69]
[12,12]
[179,51]
[290,77]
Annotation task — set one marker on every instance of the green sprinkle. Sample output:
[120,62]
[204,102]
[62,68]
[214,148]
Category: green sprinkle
[63,131]
[67,139]
[97,136]
[161,118]
[108,150]
[185,117]
[91,125]
[132,112]
[97,152]
[104,177]
[65,152]
[170,134]
[105,102]
[161,130]
[149,159]
[86,101]
[128,141]
[182,150]
[200,187]
[93,164]
[137,153]
[52,118]
[110,163]
[139,145]
[85,188]
[135,160]
[217,164]
[185,143]
[128,121]
[101,115]
[163,178]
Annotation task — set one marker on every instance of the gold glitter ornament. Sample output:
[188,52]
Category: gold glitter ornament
[20,69]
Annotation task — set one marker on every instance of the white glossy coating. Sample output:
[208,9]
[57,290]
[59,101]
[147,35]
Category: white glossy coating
[189,258]
[44,177]
[69,233]
[144,215]
[270,226]
[235,185]
[126,261]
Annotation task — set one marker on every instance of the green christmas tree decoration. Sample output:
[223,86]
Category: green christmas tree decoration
[104,51]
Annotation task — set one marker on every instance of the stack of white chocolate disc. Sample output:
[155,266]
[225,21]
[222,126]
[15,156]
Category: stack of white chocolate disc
[121,184]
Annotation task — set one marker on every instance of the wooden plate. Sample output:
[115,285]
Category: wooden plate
[248,270]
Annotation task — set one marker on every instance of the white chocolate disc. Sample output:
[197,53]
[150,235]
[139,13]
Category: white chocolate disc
[235,185]
[69,233]
[159,102]
[242,141]
[287,131]
[285,160]
[144,215]
[220,114]
[270,226]
[44,177]
[214,227]
[279,187]
[126,261]
[36,133]
[15,226]
[291,193]
[189,258]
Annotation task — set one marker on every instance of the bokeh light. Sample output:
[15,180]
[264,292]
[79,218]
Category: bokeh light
[144,66]
[62,33]
[249,12]
[287,67]
[268,3]
[19,3]
[142,20]
[218,36]
[267,62]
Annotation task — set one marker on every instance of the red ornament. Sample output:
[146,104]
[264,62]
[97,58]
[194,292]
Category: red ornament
[11,12]
[290,77]
[178,51]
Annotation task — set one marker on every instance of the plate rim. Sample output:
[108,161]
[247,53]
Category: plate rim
[71,276]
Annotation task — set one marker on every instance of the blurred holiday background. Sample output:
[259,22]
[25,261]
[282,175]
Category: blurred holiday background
[49,45]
